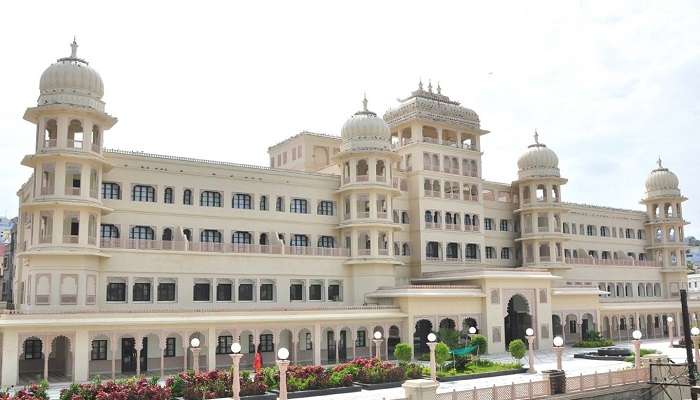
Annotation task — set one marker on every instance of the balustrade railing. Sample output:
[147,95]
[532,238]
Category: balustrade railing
[70,239]
[48,143]
[362,178]
[611,261]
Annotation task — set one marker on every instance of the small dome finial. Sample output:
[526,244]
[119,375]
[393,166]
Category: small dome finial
[430,86]
[364,102]
[420,84]
[537,137]
[74,49]
[658,162]
[439,89]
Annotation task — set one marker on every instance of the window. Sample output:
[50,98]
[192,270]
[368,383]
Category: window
[169,347]
[266,343]
[299,240]
[308,344]
[141,233]
[263,203]
[116,291]
[142,291]
[210,199]
[299,206]
[99,350]
[109,231]
[590,230]
[488,224]
[143,193]
[187,197]
[240,237]
[251,344]
[168,195]
[326,241]
[224,292]
[279,204]
[504,225]
[210,236]
[166,291]
[361,339]
[404,217]
[242,200]
[111,191]
[32,349]
[224,345]
[315,290]
[245,292]
[296,292]
[326,207]
[505,253]
[490,252]
[201,292]
[267,292]
[334,292]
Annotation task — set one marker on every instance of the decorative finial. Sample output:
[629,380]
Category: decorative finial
[74,49]
[537,137]
[658,162]
[439,89]
[420,84]
[430,86]
[364,102]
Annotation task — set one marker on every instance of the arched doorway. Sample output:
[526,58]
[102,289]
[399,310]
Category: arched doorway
[420,337]
[517,319]
[557,327]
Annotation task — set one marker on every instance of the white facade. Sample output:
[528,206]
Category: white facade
[388,227]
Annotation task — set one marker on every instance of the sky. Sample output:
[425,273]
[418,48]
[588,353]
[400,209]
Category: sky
[610,86]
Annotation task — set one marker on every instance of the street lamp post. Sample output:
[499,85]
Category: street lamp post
[378,345]
[669,320]
[636,335]
[236,361]
[194,343]
[472,331]
[530,336]
[695,332]
[282,364]
[558,350]
[431,345]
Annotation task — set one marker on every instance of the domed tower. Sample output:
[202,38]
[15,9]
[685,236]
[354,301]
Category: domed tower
[665,222]
[63,208]
[540,208]
[366,193]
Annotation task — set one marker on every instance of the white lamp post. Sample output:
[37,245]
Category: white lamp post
[236,360]
[194,343]
[695,331]
[431,344]
[472,331]
[558,343]
[282,364]
[377,345]
[669,320]
[530,336]
[636,335]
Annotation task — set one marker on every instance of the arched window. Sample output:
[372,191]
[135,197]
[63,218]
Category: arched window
[109,231]
[111,191]
[565,228]
[243,237]
[188,234]
[242,200]
[404,217]
[187,197]
[263,239]
[471,251]
[210,236]
[427,185]
[143,193]
[362,170]
[263,203]
[279,204]
[436,186]
[452,251]
[325,207]
[141,232]
[395,215]
[326,241]
[380,170]
[428,216]
[50,133]
[467,220]
[640,290]
[474,169]
[657,290]
[405,249]
[210,198]
[168,195]
[432,250]
[299,240]
[167,234]
[75,134]
[475,221]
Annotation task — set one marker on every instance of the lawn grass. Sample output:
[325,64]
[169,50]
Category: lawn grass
[480,367]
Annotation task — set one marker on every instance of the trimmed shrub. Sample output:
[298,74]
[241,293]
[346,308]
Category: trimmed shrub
[481,342]
[517,349]
[442,353]
[403,352]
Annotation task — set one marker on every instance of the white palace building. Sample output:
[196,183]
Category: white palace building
[123,257]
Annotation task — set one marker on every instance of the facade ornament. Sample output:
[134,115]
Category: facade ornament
[537,137]
[364,103]
[658,162]
[439,89]
[74,49]
[430,86]
[420,84]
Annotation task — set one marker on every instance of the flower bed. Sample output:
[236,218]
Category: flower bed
[33,392]
[309,378]
[478,369]
[371,373]
[212,385]
[127,389]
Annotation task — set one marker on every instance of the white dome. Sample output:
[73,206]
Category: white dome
[71,81]
[538,160]
[365,131]
[662,182]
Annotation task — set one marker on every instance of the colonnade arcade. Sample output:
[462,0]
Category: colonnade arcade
[424,325]
[652,325]
[157,352]
[572,326]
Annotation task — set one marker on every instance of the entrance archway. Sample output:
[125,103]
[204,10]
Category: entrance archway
[420,337]
[517,319]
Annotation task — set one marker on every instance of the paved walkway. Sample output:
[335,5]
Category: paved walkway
[544,360]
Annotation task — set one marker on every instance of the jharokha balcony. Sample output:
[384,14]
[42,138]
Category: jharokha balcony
[214,247]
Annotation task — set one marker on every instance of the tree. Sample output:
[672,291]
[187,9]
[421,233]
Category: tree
[403,352]
[442,353]
[480,342]
[517,349]
[450,337]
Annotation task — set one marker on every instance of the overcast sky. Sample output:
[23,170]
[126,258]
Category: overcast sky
[608,88]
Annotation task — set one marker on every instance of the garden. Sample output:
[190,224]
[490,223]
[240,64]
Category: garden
[593,339]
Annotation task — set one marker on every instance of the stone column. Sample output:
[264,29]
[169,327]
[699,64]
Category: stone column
[139,346]
[317,344]
[113,350]
[185,349]
[81,356]
[45,351]
[162,345]
[212,341]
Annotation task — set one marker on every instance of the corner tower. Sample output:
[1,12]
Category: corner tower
[61,206]
[366,193]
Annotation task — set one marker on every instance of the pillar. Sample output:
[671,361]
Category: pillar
[113,350]
[211,348]
[81,356]
[317,344]
[10,358]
